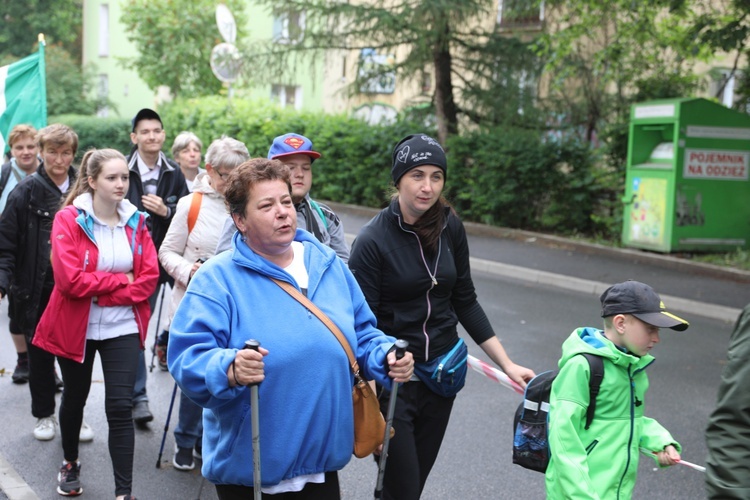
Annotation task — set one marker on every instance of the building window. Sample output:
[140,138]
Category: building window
[722,86]
[102,94]
[519,13]
[287,95]
[104,30]
[426,82]
[375,72]
[288,26]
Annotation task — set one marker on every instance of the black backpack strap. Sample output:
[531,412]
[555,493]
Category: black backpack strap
[596,366]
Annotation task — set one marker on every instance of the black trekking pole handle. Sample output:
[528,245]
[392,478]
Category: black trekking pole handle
[401,346]
[255,422]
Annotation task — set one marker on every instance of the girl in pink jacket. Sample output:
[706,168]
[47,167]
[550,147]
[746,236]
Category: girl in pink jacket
[106,268]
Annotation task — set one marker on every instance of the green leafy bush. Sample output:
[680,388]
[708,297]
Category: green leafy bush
[502,176]
[518,178]
[356,157]
[97,132]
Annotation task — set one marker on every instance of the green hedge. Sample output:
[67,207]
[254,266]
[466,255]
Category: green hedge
[355,163]
[97,132]
[520,178]
[507,176]
[504,176]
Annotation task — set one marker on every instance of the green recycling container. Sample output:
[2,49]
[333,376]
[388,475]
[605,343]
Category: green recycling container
[687,186]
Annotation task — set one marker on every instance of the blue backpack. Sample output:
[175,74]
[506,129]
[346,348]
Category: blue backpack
[530,440]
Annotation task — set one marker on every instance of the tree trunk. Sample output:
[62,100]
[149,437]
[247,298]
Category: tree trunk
[445,106]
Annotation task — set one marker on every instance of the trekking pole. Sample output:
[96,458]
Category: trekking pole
[166,426]
[156,334]
[401,346]
[200,489]
[255,422]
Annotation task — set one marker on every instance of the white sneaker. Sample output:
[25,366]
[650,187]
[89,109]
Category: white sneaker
[87,433]
[44,430]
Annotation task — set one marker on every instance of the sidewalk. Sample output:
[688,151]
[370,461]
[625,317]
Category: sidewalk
[695,288]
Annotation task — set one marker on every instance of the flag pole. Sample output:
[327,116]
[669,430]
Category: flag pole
[43,75]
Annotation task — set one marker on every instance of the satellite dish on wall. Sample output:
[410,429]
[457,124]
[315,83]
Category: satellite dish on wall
[226,62]
[226,24]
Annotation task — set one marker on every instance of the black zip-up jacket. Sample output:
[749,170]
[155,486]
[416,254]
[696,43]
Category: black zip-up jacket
[170,187]
[5,172]
[25,230]
[415,297]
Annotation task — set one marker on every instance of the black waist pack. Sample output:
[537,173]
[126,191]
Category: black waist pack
[446,374]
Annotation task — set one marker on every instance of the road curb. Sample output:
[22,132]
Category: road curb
[596,288]
[12,485]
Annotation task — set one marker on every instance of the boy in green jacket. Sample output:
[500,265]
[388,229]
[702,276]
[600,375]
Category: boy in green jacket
[601,462]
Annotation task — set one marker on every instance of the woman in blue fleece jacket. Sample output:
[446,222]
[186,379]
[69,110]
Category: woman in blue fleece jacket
[306,422]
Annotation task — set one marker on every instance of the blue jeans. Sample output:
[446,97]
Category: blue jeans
[190,424]
[139,390]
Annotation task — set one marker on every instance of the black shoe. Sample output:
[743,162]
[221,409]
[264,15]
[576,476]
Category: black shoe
[68,482]
[141,413]
[21,373]
[198,450]
[183,458]
[58,383]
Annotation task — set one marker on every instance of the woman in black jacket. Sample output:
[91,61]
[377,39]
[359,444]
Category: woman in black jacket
[412,263]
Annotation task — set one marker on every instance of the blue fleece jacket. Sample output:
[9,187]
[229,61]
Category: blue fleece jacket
[305,401]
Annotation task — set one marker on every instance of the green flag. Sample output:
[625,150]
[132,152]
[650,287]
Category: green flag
[23,95]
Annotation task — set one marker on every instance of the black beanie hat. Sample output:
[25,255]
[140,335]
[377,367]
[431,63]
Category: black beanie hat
[415,150]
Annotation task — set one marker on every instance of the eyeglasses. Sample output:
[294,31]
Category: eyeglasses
[222,175]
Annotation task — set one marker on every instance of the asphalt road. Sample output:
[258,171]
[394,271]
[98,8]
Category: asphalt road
[532,319]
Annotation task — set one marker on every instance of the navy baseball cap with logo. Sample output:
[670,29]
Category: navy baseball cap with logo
[292,144]
[146,114]
[640,300]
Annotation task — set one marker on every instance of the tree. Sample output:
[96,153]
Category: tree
[173,40]
[69,85]
[61,22]
[600,56]
[726,28]
[467,59]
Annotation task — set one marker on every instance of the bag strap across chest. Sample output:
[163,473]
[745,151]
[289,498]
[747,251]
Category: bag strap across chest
[296,294]
[195,208]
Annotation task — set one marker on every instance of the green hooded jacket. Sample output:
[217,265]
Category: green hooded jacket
[601,462]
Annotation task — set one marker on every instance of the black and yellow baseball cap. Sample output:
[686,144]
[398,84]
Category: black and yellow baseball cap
[641,301]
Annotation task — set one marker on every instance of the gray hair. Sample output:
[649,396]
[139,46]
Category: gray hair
[227,153]
[183,140]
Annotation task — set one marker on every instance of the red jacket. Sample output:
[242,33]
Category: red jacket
[62,328]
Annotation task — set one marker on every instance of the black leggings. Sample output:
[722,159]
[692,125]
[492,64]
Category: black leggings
[119,356]
[420,420]
[329,490]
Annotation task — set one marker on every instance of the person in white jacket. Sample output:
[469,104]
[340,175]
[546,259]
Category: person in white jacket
[190,241]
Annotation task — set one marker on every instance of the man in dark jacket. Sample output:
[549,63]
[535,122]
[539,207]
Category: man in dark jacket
[24,161]
[25,268]
[727,436]
[156,184]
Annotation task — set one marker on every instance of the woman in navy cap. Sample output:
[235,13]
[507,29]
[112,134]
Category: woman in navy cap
[412,262]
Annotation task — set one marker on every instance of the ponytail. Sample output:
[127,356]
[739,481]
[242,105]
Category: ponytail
[82,181]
